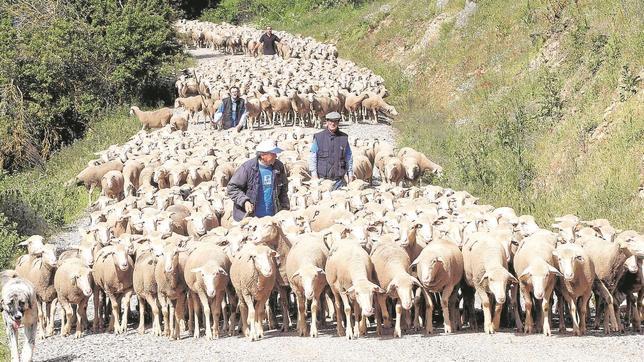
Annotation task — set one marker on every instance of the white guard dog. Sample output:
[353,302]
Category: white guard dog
[18,307]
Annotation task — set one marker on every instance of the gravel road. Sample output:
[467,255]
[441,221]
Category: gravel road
[505,345]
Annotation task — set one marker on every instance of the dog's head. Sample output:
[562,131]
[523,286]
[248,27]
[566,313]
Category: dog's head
[17,299]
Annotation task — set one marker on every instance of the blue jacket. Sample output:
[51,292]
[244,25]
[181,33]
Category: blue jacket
[244,186]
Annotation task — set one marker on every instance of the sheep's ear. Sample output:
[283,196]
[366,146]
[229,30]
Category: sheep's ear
[554,270]
[555,252]
[414,265]
[580,258]
[485,276]
[350,290]
[525,274]
[512,278]
[221,271]
[196,270]
[391,286]
[438,259]
[296,274]
[379,290]
[321,271]
[415,282]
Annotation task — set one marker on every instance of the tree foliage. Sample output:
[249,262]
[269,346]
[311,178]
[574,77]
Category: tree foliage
[61,63]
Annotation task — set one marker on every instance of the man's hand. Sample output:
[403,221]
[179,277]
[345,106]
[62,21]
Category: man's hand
[249,207]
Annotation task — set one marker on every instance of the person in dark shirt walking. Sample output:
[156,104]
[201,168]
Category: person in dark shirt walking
[269,39]
[331,156]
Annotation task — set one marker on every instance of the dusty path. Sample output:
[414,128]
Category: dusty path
[505,345]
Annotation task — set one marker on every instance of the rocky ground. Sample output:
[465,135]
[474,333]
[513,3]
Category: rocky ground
[505,345]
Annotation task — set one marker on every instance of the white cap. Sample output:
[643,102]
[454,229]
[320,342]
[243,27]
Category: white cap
[268,145]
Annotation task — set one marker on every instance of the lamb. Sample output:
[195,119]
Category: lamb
[278,105]
[74,284]
[200,222]
[35,245]
[92,176]
[578,275]
[152,119]
[305,271]
[112,273]
[39,269]
[485,266]
[393,171]
[206,276]
[348,272]
[223,174]
[145,286]
[440,270]
[197,175]
[391,263]
[533,264]
[252,274]
[301,107]
[112,185]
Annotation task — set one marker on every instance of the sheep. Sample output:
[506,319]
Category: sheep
[393,171]
[131,173]
[152,119]
[391,263]
[416,164]
[349,273]
[578,275]
[179,123]
[145,287]
[199,223]
[374,104]
[112,185]
[279,106]
[353,103]
[305,272]
[485,266]
[301,107]
[534,266]
[252,274]
[74,285]
[35,245]
[440,269]
[206,276]
[223,174]
[112,272]
[39,269]
[171,285]
[92,176]
[362,168]
[192,104]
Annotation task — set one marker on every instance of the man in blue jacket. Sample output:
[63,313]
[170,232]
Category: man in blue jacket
[331,156]
[260,187]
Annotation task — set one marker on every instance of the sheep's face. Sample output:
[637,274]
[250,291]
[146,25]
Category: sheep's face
[170,258]
[568,256]
[212,275]
[631,264]
[311,279]
[264,230]
[412,170]
[121,257]
[103,233]
[403,289]
[164,226]
[497,281]
[198,222]
[540,275]
[264,260]
[49,254]
[429,272]
[633,246]
[407,233]
[83,281]
[86,251]
[363,292]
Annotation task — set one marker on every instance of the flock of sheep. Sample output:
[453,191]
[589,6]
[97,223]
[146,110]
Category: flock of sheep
[291,91]
[389,254]
[234,39]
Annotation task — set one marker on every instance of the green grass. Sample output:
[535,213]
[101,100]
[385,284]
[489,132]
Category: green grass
[36,201]
[5,354]
[510,133]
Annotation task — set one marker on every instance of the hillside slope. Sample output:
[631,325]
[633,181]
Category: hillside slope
[532,104]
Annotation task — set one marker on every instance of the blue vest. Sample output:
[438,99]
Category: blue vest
[332,149]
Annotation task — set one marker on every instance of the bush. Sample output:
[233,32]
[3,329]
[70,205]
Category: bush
[60,63]
[9,239]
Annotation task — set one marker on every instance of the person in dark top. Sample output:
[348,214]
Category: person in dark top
[268,39]
[259,187]
[232,111]
[331,156]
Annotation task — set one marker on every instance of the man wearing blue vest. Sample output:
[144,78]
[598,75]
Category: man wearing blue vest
[331,156]
[259,187]
[232,111]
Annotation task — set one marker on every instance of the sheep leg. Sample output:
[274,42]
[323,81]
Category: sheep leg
[195,309]
[243,309]
[259,319]
[429,312]
[67,310]
[545,310]
[52,315]
[514,304]
[179,315]
[97,324]
[314,316]
[233,302]
[498,308]
[250,321]
[445,298]
[126,310]
[488,326]
[81,318]
[397,329]
[283,295]
[610,321]
[417,321]
[337,304]
[572,305]
[215,309]
[356,319]
[156,323]
[141,328]
[347,314]
[527,300]
[382,302]
[114,321]
[301,314]
[165,306]
[206,314]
